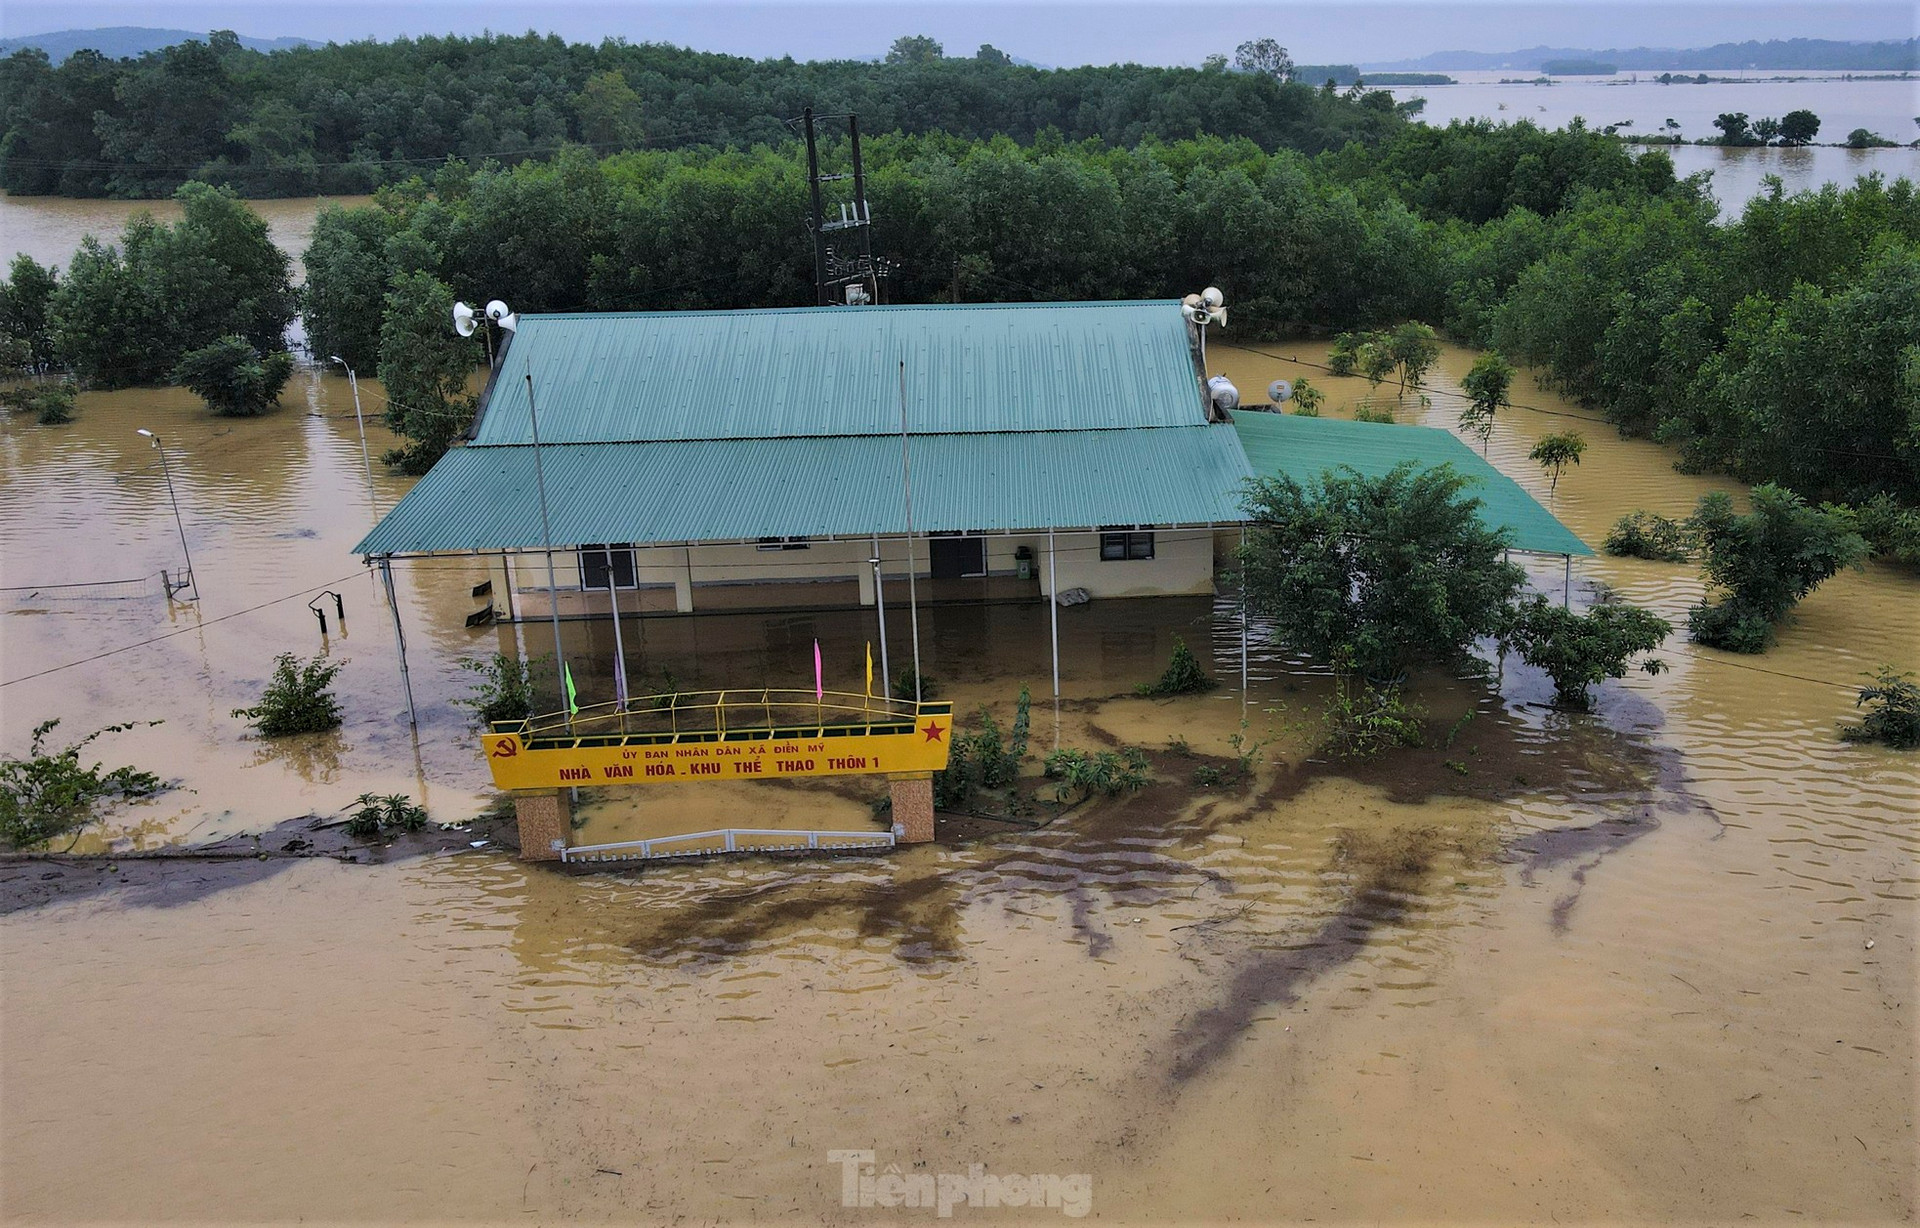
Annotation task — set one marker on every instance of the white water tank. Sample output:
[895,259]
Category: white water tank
[1221,391]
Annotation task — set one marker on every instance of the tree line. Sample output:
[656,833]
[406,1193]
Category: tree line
[1780,345]
[349,117]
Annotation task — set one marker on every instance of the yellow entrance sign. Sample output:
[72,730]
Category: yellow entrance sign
[539,756]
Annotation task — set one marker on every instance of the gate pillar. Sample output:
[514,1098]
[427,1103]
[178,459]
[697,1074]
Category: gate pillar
[546,820]
[912,795]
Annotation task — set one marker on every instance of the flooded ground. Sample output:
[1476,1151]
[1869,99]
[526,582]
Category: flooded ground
[1546,967]
[49,228]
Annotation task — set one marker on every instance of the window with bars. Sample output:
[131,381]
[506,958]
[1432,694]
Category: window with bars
[1120,547]
[608,566]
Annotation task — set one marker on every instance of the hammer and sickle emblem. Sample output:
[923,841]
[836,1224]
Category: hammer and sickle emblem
[506,748]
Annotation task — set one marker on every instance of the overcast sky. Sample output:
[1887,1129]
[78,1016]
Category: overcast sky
[1058,33]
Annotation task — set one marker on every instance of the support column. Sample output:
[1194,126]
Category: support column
[546,820]
[683,587]
[912,795]
[1053,610]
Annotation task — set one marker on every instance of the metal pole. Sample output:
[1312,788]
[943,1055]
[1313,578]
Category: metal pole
[1243,613]
[880,609]
[399,637]
[546,542]
[353,381]
[1053,600]
[619,645]
[1566,594]
[814,219]
[906,486]
[174,500]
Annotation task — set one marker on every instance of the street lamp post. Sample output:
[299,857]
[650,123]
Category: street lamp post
[353,381]
[179,524]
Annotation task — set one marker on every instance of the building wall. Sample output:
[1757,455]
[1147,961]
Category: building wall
[832,572]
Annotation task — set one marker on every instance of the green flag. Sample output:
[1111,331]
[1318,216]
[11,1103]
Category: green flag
[573,696]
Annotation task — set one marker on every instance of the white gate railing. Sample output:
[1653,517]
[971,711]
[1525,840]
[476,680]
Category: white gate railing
[729,840]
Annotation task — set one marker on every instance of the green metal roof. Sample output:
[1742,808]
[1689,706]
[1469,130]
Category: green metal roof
[485,498]
[644,376]
[1304,448]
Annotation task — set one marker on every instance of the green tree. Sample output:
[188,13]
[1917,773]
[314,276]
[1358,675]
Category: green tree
[611,113]
[1799,127]
[1264,56]
[424,367]
[1761,564]
[1488,384]
[346,262]
[915,49]
[1414,349]
[48,795]
[1733,128]
[992,55]
[1555,452]
[1376,575]
[1578,650]
[233,378]
[24,300]
[1765,129]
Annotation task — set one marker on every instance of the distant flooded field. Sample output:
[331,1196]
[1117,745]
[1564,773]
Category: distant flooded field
[49,228]
[1608,967]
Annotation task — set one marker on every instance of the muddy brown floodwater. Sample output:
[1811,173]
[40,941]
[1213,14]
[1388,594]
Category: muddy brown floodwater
[1549,967]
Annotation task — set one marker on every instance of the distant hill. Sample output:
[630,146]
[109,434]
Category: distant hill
[119,42]
[1794,53]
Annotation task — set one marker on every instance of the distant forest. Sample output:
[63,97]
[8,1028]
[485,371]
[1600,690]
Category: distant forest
[348,118]
[1792,53]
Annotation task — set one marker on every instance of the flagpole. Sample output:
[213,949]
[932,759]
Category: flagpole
[619,645]
[906,486]
[880,610]
[546,542]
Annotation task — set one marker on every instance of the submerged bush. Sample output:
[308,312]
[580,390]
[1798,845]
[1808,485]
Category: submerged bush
[1763,563]
[1892,702]
[903,683]
[1183,675]
[1892,531]
[1364,719]
[233,378]
[985,757]
[504,689]
[1647,535]
[50,404]
[1578,650]
[1100,774]
[49,794]
[385,812]
[297,698]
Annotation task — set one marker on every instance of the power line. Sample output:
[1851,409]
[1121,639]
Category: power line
[202,624]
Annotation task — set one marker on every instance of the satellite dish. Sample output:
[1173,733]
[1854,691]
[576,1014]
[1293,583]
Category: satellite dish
[1221,391]
[1279,390]
[463,320]
[1212,296]
[498,311]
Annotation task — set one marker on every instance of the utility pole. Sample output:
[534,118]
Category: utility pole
[816,223]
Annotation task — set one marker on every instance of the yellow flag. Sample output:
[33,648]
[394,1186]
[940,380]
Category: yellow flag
[869,667]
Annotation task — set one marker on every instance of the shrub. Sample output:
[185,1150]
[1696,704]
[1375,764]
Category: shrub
[1306,399]
[903,681]
[1376,574]
[1363,720]
[233,378]
[1893,712]
[984,757]
[297,698]
[1578,650]
[1206,776]
[1373,413]
[1183,675]
[50,404]
[385,812]
[1344,357]
[1763,563]
[1892,531]
[504,689]
[1101,774]
[49,795]
[1646,535]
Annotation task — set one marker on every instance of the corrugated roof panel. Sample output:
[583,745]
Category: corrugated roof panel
[1304,448]
[819,371]
[731,490]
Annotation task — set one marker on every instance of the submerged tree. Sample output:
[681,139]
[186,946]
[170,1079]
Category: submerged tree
[1373,575]
[50,794]
[1764,562]
[233,378]
[424,367]
[1487,386]
[1578,650]
[1555,452]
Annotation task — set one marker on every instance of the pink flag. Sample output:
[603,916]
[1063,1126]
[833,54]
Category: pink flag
[819,679]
